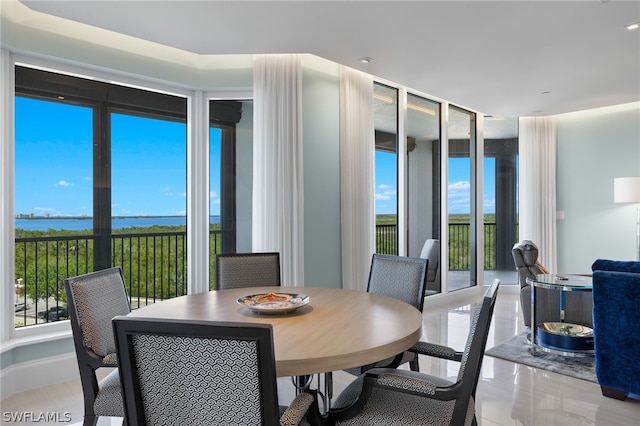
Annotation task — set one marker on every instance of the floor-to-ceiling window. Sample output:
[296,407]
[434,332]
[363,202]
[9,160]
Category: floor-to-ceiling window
[423,184]
[230,178]
[148,203]
[500,198]
[100,181]
[461,199]
[53,183]
[385,118]
[424,176]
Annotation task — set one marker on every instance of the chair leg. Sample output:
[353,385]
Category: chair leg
[613,393]
[413,364]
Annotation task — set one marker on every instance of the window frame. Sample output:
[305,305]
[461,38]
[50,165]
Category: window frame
[94,80]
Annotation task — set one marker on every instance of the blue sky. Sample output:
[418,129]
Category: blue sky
[54,166]
[54,162]
[459,184]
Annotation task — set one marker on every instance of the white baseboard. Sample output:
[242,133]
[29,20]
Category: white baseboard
[34,374]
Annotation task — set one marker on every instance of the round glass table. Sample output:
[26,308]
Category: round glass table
[560,337]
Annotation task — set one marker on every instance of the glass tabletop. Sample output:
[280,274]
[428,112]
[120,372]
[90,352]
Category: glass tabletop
[564,282]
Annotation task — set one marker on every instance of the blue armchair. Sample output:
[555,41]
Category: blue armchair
[616,326]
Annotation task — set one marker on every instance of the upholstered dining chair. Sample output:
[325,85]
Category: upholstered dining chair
[237,270]
[401,278]
[385,396]
[93,300]
[188,372]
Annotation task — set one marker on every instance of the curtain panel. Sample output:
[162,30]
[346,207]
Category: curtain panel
[537,194]
[278,202]
[356,177]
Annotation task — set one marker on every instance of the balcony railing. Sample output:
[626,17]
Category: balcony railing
[155,265]
[459,234]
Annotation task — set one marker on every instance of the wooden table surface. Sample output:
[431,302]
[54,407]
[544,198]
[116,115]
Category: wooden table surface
[338,329]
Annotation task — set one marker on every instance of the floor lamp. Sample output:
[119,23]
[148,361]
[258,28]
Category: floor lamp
[627,190]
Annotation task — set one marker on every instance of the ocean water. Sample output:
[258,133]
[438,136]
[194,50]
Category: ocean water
[79,224]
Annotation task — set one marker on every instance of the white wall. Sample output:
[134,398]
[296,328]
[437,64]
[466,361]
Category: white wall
[594,147]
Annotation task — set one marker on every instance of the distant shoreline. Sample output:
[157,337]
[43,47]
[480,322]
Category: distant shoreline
[91,217]
[83,223]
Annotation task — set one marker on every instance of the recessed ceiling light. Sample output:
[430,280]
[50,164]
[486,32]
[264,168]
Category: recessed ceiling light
[633,26]
[366,60]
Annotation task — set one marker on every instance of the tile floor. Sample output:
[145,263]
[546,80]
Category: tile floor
[508,393]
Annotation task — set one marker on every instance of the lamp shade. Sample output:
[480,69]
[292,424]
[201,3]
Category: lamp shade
[626,190]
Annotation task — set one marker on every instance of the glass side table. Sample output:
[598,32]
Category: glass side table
[560,337]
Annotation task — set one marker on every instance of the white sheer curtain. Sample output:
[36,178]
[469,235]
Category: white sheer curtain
[538,141]
[356,176]
[278,203]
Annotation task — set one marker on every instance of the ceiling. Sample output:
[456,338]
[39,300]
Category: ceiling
[501,58]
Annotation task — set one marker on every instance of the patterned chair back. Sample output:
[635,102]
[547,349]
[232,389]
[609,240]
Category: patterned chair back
[389,396]
[240,270]
[93,300]
[181,372]
[400,277]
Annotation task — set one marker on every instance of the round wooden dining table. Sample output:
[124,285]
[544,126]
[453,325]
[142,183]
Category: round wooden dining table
[336,330]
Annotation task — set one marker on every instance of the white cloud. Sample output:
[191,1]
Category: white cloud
[63,183]
[489,205]
[461,185]
[384,186]
[459,196]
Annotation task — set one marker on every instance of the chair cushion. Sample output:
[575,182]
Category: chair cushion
[350,394]
[109,399]
[399,409]
[294,414]
[110,359]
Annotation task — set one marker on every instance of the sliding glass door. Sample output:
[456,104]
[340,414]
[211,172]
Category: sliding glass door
[423,185]
[385,102]
[461,199]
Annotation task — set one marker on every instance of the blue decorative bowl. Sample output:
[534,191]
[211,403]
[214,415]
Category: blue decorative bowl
[564,336]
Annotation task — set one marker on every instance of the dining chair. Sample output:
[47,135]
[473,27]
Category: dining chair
[431,252]
[401,278]
[189,372]
[238,270]
[402,397]
[93,299]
